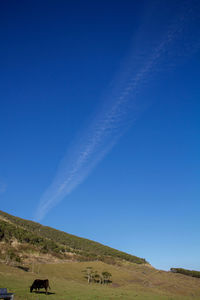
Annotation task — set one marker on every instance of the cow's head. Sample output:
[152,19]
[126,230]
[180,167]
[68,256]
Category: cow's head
[31,288]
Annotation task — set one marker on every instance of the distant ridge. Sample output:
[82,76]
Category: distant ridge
[22,239]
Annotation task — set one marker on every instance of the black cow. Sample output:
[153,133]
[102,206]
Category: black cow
[39,284]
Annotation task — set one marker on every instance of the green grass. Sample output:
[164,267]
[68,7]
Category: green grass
[24,242]
[130,281]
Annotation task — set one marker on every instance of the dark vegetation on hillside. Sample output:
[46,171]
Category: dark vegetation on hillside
[8,232]
[186,272]
[49,240]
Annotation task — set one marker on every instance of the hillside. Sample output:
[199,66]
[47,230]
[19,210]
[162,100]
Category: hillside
[29,250]
[24,240]
[130,281]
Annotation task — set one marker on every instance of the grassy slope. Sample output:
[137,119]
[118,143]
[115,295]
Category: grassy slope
[89,250]
[130,281]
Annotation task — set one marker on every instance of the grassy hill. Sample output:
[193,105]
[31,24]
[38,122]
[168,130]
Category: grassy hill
[29,250]
[130,281]
[22,237]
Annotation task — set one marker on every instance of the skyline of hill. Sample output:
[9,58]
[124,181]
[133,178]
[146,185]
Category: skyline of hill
[21,236]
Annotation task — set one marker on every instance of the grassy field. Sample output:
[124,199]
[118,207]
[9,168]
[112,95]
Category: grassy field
[130,281]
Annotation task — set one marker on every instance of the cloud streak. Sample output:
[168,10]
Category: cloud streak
[120,109]
[3,187]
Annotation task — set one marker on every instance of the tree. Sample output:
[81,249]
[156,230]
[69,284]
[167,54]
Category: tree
[106,277]
[97,277]
[89,274]
[94,276]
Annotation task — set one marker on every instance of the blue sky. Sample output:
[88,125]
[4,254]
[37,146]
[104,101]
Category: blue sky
[99,122]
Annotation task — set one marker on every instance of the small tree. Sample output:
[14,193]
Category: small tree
[89,274]
[97,278]
[106,277]
[93,276]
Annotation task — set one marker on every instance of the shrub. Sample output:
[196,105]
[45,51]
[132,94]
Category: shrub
[191,273]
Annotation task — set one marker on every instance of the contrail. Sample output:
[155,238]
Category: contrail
[120,109]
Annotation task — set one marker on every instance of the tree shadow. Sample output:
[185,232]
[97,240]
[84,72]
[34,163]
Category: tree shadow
[26,269]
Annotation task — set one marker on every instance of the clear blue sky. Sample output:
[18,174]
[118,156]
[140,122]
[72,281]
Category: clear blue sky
[132,179]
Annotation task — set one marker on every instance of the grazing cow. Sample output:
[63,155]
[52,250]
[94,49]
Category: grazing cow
[39,284]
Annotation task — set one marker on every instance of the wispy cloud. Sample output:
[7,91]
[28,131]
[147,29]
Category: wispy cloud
[3,187]
[119,111]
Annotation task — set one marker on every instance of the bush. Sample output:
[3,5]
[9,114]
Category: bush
[191,273]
